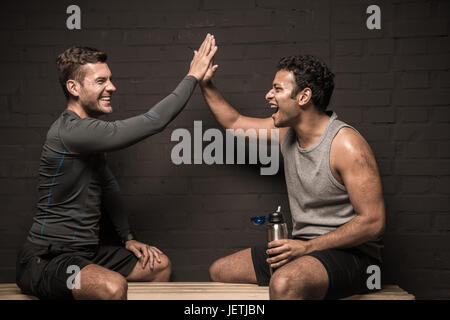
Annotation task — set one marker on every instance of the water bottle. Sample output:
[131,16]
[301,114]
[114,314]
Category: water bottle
[276,228]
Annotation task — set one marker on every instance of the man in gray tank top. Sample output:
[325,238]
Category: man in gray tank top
[333,185]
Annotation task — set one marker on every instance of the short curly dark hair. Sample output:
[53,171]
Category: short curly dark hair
[310,72]
[70,61]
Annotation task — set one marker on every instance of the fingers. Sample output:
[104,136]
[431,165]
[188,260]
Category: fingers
[278,257]
[145,256]
[157,253]
[211,53]
[276,243]
[279,264]
[138,253]
[201,62]
[206,45]
[213,48]
[151,258]
[277,250]
[154,255]
[202,46]
[213,41]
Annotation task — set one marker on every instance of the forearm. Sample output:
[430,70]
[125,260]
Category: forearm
[113,207]
[168,108]
[354,233]
[224,113]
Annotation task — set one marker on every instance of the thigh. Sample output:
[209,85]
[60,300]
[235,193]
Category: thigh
[97,282]
[306,277]
[346,269]
[160,272]
[237,267]
[48,277]
[115,258]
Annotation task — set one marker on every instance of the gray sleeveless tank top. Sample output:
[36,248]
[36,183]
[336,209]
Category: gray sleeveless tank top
[318,202]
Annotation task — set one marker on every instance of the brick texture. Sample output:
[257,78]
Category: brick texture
[392,84]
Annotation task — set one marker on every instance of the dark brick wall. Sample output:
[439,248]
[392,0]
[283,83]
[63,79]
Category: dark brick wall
[392,84]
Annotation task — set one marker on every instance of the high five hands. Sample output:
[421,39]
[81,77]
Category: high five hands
[202,67]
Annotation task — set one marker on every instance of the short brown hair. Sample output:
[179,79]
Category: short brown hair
[70,61]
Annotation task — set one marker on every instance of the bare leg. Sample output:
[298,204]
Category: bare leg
[98,283]
[160,273]
[302,278]
[237,267]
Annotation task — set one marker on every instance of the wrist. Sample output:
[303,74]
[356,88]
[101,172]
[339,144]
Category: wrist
[206,84]
[129,237]
[309,246]
[194,75]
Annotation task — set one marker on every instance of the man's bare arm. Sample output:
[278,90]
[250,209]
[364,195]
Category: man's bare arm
[355,163]
[228,117]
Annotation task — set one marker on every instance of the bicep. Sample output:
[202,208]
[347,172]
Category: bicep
[94,135]
[359,171]
[246,123]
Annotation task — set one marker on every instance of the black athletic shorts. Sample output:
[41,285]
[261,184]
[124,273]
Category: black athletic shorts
[44,271]
[346,268]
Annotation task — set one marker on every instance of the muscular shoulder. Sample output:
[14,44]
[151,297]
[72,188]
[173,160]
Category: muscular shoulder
[350,151]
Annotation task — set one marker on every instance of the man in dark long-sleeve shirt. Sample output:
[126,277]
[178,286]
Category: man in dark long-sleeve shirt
[75,182]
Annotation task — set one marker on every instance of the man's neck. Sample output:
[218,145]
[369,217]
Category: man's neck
[77,108]
[311,127]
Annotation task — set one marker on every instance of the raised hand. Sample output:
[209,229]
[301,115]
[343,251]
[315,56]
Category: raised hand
[211,69]
[202,58]
[209,74]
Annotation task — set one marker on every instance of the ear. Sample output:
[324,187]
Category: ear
[73,87]
[304,97]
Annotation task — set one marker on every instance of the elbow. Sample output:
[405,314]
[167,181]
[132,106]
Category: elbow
[377,228]
[234,123]
[159,126]
[380,229]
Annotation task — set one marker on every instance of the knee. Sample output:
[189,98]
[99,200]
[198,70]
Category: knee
[215,271]
[283,287]
[116,288]
[165,264]
[278,286]
[164,268]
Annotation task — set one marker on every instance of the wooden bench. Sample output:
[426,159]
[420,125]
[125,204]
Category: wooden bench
[206,291]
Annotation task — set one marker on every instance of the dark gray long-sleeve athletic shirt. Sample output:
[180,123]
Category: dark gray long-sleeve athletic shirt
[74,178]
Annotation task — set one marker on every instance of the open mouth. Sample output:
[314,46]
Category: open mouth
[105,99]
[276,109]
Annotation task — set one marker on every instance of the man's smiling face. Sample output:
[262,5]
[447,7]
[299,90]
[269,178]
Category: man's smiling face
[96,89]
[280,97]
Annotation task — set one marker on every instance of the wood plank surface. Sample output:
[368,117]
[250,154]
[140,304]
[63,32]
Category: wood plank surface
[207,291]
